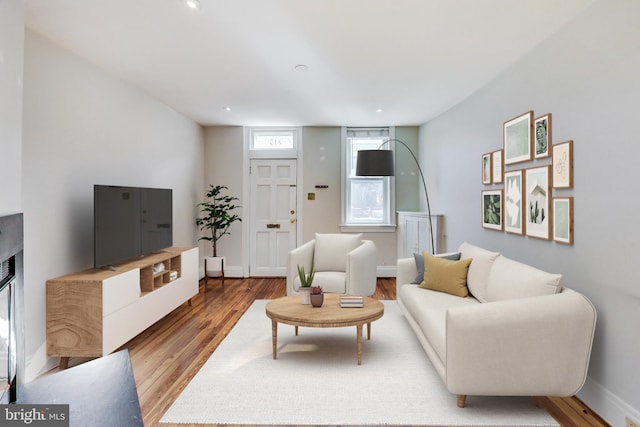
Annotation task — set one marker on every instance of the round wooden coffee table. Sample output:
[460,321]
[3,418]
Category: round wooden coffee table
[290,311]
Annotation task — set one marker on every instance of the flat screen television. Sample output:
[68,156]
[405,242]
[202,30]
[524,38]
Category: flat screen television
[129,222]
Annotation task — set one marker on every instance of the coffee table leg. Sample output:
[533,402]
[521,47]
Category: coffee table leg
[369,330]
[359,333]
[274,337]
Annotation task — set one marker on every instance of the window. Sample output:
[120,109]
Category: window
[273,142]
[367,201]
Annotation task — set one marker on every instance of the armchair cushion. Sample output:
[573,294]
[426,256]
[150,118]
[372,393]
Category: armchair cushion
[331,281]
[331,250]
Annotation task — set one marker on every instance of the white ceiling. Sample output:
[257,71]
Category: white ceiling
[413,58]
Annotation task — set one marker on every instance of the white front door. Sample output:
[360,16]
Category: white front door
[273,217]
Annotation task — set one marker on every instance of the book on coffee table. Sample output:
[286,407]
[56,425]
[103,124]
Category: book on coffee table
[351,301]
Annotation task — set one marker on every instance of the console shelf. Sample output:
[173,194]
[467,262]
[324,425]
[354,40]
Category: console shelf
[93,312]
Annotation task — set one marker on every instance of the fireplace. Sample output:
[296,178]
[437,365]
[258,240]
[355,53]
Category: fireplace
[11,291]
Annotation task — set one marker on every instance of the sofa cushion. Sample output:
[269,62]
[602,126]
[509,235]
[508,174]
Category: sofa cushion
[478,276]
[453,256]
[330,252]
[444,275]
[429,310]
[511,279]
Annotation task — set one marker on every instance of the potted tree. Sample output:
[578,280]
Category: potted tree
[216,219]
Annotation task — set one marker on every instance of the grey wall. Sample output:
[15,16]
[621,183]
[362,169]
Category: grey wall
[587,76]
[11,58]
[84,127]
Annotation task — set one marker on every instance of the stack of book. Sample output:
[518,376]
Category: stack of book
[350,301]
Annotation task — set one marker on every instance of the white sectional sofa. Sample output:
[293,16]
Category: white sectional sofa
[517,333]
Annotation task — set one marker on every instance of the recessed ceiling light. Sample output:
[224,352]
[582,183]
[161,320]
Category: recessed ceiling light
[226,108]
[301,68]
[379,110]
[193,4]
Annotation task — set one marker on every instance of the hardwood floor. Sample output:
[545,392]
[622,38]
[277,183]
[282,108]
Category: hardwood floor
[167,355]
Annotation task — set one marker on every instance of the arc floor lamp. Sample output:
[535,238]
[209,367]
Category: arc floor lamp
[381,163]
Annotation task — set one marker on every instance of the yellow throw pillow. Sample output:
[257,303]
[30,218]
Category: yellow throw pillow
[445,276]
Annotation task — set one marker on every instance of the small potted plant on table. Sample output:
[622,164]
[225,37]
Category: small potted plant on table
[305,284]
[317,296]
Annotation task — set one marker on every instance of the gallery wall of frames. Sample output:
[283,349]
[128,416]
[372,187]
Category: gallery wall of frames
[524,176]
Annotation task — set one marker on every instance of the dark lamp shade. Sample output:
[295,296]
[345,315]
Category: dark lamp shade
[375,163]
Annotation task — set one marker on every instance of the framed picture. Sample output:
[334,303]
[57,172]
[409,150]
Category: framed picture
[517,139]
[563,165]
[496,165]
[538,202]
[486,168]
[563,220]
[513,198]
[492,209]
[542,129]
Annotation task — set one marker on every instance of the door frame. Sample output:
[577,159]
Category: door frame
[247,155]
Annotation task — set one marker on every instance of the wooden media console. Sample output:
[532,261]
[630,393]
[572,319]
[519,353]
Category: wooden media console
[93,312]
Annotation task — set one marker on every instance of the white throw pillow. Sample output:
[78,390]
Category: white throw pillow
[478,275]
[511,279]
[330,252]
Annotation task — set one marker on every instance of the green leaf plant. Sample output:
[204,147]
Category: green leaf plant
[305,279]
[216,215]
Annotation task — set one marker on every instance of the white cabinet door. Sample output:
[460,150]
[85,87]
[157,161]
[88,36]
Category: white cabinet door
[414,236]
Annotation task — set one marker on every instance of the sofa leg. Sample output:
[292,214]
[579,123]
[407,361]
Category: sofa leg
[462,398]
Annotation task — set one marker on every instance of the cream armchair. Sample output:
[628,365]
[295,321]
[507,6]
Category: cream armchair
[344,263]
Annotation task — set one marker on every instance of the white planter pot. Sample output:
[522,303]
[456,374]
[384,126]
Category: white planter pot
[214,266]
[305,295]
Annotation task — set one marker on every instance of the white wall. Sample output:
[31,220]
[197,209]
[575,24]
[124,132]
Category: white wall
[11,48]
[84,127]
[223,157]
[587,77]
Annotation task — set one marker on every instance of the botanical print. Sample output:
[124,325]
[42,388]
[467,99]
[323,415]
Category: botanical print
[563,165]
[486,168]
[517,139]
[496,162]
[513,221]
[542,129]
[537,202]
[563,219]
[492,209]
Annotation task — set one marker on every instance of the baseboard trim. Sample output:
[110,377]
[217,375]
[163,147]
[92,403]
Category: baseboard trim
[237,272]
[39,363]
[607,405]
[386,271]
[230,271]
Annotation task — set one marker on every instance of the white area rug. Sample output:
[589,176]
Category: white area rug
[316,380]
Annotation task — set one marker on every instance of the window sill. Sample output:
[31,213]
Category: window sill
[362,228]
